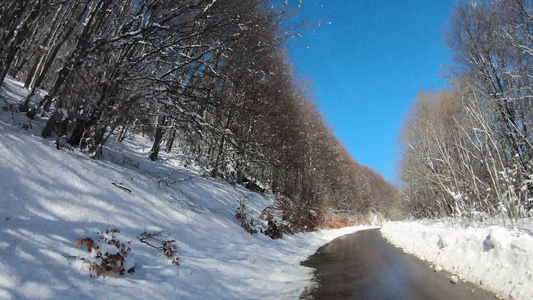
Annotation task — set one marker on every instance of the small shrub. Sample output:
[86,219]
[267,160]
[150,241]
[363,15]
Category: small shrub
[106,263]
[293,216]
[27,126]
[246,223]
[336,222]
[87,242]
[274,230]
[159,241]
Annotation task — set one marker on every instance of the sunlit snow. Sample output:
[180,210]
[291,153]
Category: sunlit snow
[49,199]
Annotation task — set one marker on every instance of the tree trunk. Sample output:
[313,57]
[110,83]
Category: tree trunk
[17,39]
[157,143]
[76,56]
[46,43]
[154,152]
[170,141]
[51,124]
[11,13]
[220,153]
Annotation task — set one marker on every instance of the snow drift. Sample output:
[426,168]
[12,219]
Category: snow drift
[496,258]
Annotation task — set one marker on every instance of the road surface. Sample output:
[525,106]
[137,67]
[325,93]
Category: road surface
[363,265]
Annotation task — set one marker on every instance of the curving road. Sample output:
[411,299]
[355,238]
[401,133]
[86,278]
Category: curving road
[363,265]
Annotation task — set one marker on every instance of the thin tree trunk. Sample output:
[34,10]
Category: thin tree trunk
[12,13]
[17,39]
[46,43]
[154,152]
[77,54]
[170,141]
[221,147]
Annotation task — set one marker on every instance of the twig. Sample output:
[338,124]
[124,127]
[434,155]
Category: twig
[121,187]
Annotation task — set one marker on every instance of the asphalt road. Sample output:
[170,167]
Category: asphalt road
[363,265]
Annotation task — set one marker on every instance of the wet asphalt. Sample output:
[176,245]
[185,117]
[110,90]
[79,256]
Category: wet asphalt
[363,265]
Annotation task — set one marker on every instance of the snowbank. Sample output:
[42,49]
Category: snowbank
[50,199]
[494,257]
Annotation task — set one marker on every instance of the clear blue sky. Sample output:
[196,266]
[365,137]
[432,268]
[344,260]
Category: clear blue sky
[367,67]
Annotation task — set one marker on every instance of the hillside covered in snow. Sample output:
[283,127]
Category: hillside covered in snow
[52,200]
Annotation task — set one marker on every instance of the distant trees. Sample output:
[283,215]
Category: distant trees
[469,151]
[212,77]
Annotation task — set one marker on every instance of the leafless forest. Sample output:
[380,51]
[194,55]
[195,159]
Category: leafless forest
[469,149]
[210,77]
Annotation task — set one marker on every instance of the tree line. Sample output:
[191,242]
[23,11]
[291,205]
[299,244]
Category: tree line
[209,76]
[469,148]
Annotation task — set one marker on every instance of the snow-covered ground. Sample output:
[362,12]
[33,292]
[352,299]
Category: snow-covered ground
[50,199]
[496,257]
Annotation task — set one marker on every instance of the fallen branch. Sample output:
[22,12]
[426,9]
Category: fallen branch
[159,242]
[121,187]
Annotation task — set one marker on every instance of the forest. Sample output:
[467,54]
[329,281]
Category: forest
[209,77]
[468,149]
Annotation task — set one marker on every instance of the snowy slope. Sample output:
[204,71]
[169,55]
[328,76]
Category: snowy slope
[493,256]
[50,199]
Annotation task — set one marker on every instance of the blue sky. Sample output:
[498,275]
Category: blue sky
[367,67]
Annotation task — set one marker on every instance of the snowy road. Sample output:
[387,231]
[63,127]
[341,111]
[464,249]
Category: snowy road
[364,266]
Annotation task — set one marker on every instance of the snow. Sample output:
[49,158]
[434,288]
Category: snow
[50,199]
[494,256]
